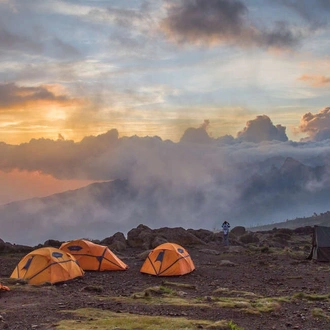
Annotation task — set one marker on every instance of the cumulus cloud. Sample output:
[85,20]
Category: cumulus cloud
[197,135]
[63,159]
[163,183]
[262,129]
[221,21]
[316,80]
[317,126]
[106,156]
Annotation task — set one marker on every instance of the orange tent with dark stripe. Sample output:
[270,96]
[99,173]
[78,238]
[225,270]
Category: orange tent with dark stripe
[168,259]
[91,256]
[47,265]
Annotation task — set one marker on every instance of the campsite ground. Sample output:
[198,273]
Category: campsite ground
[240,287]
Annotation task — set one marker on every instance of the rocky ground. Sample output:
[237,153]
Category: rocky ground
[265,283]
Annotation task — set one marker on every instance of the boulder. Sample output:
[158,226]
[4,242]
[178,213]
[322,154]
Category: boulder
[308,230]
[53,243]
[204,235]
[238,231]
[146,238]
[17,248]
[179,236]
[249,238]
[115,242]
[141,236]
[117,246]
[2,245]
[143,255]
[158,240]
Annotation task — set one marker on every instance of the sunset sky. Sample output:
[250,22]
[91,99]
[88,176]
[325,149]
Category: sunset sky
[72,69]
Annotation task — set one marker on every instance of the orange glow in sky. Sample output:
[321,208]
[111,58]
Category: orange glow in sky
[24,185]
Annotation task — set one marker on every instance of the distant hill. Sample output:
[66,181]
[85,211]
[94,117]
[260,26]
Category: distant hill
[322,219]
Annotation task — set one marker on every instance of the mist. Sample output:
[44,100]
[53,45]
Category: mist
[258,177]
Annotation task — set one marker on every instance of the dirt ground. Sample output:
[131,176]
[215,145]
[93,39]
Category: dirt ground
[299,287]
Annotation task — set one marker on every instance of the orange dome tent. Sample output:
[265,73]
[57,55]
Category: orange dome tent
[91,256]
[168,259]
[47,265]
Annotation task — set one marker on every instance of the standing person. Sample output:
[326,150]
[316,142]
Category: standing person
[225,228]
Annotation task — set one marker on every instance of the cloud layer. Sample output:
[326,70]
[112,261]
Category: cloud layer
[195,183]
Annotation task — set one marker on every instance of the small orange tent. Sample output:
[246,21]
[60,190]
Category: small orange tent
[168,259]
[91,256]
[47,265]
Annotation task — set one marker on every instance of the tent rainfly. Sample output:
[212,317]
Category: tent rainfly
[320,244]
[168,259]
[47,265]
[91,256]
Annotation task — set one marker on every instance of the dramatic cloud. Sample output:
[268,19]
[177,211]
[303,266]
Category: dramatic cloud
[162,183]
[317,126]
[221,21]
[197,135]
[311,11]
[12,95]
[262,129]
[28,112]
[62,159]
[316,81]
[108,157]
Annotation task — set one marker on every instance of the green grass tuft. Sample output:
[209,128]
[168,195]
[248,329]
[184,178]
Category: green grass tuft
[102,320]
[311,297]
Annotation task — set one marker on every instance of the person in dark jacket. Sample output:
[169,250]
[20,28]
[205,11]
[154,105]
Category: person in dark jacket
[225,229]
